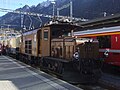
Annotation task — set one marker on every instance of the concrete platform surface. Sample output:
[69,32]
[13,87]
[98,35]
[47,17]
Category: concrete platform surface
[15,75]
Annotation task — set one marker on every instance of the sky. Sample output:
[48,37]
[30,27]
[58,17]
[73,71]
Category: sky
[14,4]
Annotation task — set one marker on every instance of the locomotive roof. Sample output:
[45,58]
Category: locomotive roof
[66,26]
[108,21]
[63,24]
[30,32]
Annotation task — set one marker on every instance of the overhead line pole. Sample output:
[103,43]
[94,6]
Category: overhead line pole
[71,10]
[63,7]
[66,6]
[44,15]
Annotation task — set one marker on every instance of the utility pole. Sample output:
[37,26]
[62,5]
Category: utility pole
[53,9]
[8,27]
[58,12]
[22,17]
[1,29]
[8,30]
[71,10]
[63,7]
[70,4]
[53,2]
[30,22]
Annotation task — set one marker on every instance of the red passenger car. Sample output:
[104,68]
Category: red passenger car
[109,43]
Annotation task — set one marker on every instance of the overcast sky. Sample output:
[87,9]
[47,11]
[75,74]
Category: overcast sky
[14,4]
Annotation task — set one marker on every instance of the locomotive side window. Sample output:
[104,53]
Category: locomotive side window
[25,46]
[28,46]
[45,35]
[104,41]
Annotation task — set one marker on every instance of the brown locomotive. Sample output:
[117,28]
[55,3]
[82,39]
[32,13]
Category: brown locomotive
[50,48]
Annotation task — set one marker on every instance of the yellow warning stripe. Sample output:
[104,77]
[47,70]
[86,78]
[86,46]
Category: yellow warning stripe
[98,34]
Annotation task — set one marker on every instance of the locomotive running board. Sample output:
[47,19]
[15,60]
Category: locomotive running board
[57,59]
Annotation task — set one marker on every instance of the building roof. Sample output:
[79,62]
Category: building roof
[108,21]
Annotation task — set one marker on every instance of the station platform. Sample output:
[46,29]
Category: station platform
[15,75]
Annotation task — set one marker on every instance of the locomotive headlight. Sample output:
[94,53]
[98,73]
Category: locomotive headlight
[35,38]
[20,40]
[91,40]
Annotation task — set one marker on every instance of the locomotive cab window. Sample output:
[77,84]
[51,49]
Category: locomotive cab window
[46,35]
[28,46]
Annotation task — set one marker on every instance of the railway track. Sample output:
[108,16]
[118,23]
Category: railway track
[110,80]
[96,86]
[107,82]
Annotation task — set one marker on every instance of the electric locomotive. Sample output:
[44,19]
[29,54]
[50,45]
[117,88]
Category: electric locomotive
[50,48]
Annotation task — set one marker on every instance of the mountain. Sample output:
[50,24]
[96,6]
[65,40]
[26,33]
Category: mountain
[88,9]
